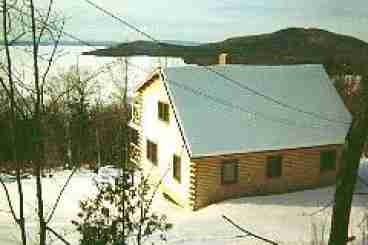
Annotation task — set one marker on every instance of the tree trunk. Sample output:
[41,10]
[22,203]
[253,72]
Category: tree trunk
[346,182]
[38,140]
[13,125]
[98,145]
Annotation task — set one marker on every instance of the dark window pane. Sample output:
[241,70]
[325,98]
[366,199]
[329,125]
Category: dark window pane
[229,172]
[274,166]
[163,111]
[152,151]
[328,160]
[177,168]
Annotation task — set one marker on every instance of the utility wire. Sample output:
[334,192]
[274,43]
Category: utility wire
[271,99]
[126,23]
[228,104]
[233,81]
[195,91]
[134,28]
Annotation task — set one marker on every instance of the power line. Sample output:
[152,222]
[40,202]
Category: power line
[235,82]
[126,23]
[195,91]
[228,104]
[269,98]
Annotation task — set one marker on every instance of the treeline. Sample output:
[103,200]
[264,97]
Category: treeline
[77,127]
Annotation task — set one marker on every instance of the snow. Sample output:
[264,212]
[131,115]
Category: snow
[284,218]
[67,56]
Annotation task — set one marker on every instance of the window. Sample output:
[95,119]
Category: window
[152,152]
[163,111]
[136,115]
[328,160]
[229,172]
[177,168]
[274,166]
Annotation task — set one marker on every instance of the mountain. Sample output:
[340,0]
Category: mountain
[287,46]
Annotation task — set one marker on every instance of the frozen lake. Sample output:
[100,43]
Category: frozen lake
[110,70]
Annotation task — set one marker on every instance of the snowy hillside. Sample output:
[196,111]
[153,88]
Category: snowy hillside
[285,218]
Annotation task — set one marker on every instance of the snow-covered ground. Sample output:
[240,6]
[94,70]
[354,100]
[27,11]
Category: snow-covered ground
[284,218]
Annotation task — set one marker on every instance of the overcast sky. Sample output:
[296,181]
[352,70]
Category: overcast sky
[211,20]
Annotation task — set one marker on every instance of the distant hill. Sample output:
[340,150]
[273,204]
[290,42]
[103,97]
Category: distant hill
[287,46]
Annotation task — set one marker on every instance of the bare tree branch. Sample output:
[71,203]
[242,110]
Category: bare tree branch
[51,59]
[9,201]
[50,216]
[8,94]
[248,232]
[17,38]
[45,20]
[329,204]
[61,238]
[75,86]
[156,189]
[6,20]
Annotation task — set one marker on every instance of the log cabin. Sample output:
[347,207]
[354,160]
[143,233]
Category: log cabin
[225,131]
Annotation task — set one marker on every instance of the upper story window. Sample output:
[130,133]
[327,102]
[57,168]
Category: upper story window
[328,160]
[163,111]
[274,166]
[136,113]
[152,152]
[177,168]
[229,172]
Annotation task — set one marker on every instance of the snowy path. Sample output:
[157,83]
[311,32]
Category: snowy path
[283,218]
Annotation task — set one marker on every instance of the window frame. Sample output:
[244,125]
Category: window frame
[177,168]
[149,152]
[234,162]
[329,166]
[270,168]
[163,111]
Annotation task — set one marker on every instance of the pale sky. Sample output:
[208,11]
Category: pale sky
[211,20]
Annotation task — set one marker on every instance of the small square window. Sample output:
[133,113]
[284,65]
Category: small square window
[274,166]
[229,172]
[163,111]
[328,160]
[177,168]
[152,152]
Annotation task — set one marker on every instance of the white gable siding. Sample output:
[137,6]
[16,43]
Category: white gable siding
[169,141]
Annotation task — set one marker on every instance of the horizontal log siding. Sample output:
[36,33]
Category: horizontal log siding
[300,170]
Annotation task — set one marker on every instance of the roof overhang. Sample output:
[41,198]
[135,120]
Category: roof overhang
[153,76]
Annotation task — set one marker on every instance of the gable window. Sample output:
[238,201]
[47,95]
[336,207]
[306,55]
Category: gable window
[229,172]
[328,160]
[163,111]
[152,152]
[274,166]
[177,168]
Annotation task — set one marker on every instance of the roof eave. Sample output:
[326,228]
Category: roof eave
[223,153]
[150,78]
[176,114]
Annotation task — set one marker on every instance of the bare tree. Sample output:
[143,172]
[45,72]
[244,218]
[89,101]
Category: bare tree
[10,89]
[37,24]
